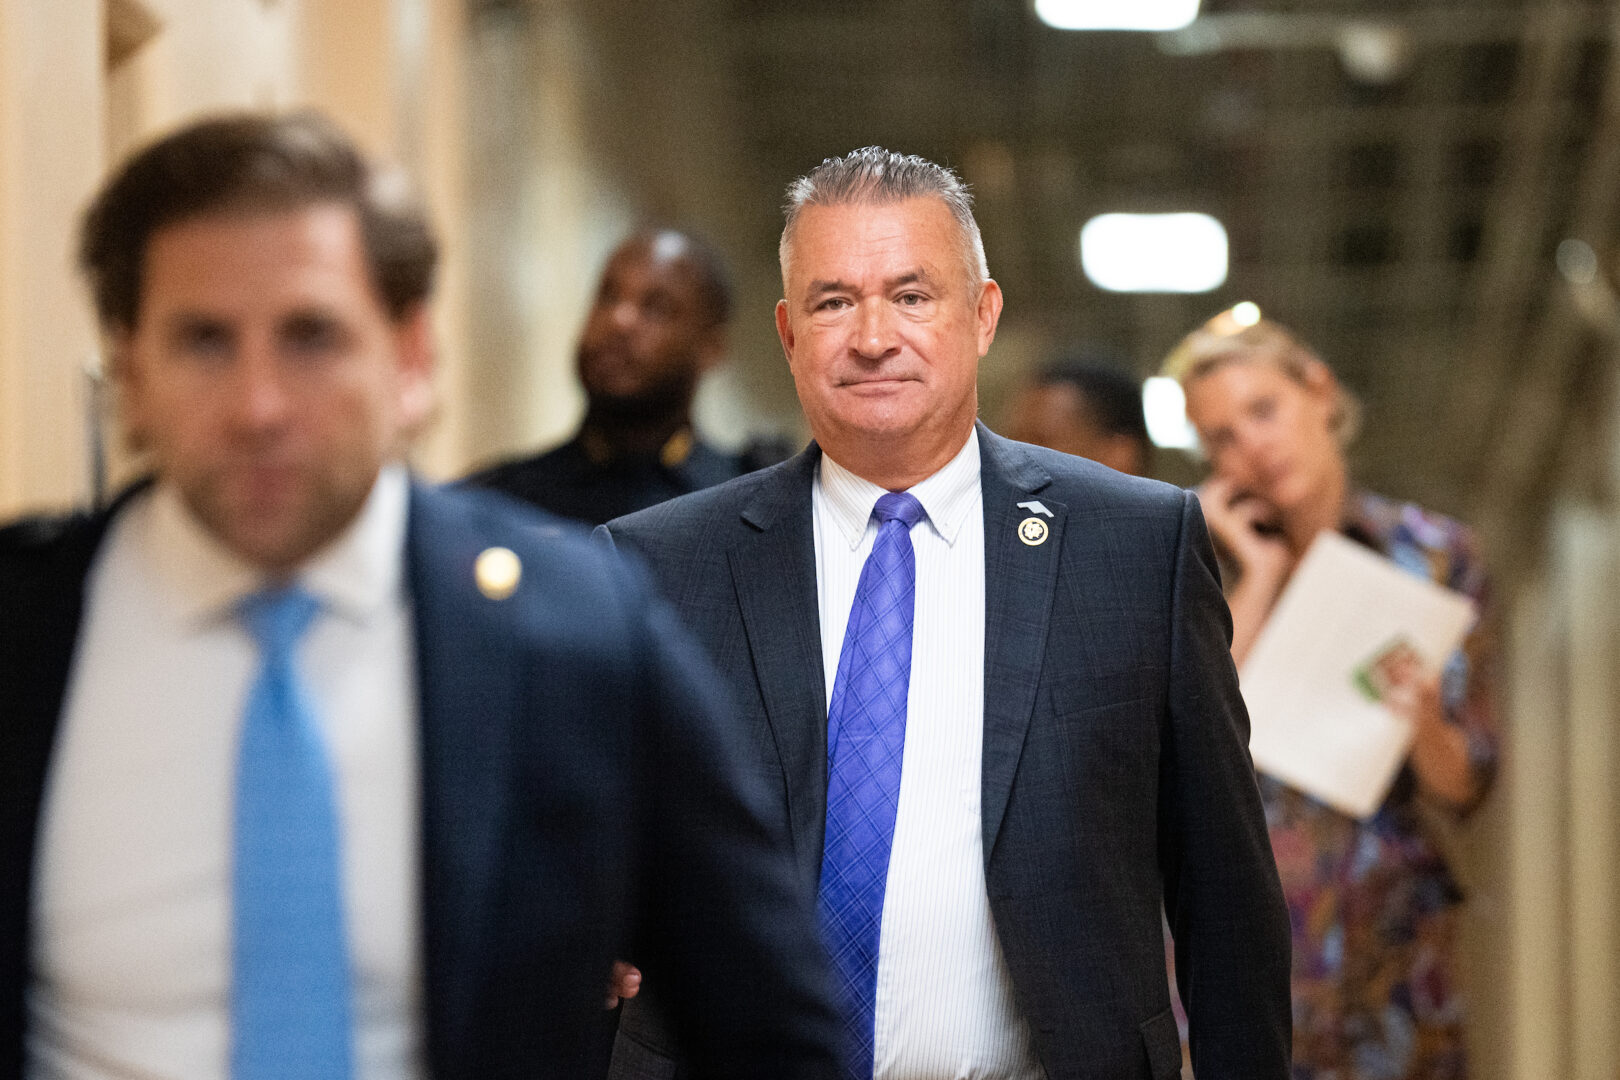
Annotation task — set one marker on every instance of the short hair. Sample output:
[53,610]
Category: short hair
[247,163]
[1112,399]
[709,270]
[873,175]
[1225,339]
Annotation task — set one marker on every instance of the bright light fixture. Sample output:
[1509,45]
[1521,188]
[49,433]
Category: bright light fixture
[1116,14]
[1165,253]
[1164,407]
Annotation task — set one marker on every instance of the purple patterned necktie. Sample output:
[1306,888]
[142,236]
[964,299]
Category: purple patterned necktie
[866,739]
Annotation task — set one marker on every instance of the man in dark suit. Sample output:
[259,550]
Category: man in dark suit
[989,683]
[312,770]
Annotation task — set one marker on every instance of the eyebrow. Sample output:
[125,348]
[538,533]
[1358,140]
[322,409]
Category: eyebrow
[821,287]
[182,322]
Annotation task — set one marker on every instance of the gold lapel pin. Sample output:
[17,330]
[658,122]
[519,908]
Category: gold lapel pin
[1033,531]
[498,571]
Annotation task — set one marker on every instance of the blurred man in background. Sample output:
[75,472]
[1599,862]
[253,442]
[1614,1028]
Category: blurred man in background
[1085,409]
[311,771]
[657,325]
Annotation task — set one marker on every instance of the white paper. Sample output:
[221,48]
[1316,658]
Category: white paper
[1310,725]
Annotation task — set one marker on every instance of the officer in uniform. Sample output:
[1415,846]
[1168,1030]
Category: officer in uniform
[657,325]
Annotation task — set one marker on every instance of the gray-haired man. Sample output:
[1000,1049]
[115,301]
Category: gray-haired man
[990,684]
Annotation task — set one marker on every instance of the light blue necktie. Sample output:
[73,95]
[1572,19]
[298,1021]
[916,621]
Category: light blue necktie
[866,740]
[290,1008]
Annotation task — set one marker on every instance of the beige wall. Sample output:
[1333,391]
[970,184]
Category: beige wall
[50,156]
[389,70]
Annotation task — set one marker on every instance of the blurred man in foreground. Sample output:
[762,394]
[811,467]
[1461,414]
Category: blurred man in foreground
[1086,410]
[311,770]
[657,325]
[990,684]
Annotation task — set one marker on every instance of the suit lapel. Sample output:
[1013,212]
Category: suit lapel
[469,681]
[1020,580]
[774,573]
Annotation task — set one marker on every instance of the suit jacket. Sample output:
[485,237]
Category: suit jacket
[578,803]
[1116,773]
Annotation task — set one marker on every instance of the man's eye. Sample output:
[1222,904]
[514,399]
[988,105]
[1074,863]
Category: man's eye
[312,335]
[203,340]
[832,303]
[1264,409]
[912,299]
[659,307]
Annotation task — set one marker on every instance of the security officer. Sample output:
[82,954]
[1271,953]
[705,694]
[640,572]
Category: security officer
[657,325]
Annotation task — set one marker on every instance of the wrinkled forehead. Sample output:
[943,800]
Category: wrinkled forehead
[842,237]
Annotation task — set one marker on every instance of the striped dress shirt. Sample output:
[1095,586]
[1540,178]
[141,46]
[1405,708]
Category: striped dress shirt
[945,1004]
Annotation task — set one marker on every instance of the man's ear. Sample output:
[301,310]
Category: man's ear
[128,385]
[989,313]
[415,357]
[784,330]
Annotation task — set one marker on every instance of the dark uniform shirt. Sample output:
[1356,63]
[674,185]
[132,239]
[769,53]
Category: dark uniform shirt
[581,480]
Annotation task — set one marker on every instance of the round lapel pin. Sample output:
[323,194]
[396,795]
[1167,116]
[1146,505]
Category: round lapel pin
[1033,531]
[498,571]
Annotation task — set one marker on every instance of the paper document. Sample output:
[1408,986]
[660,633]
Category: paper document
[1348,619]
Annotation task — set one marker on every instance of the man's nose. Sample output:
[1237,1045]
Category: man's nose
[623,315]
[874,331]
[263,398]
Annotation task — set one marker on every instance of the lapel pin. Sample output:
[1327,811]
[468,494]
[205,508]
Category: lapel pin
[1035,506]
[1033,531]
[498,571]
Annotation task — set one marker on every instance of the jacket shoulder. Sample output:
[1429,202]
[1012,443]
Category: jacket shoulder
[699,516]
[479,518]
[1085,485]
[31,545]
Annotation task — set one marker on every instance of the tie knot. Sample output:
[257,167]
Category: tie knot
[899,506]
[278,617]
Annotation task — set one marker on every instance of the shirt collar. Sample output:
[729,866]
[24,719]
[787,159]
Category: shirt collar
[354,576]
[947,496]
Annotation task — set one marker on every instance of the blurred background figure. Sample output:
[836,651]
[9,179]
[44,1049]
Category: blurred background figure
[658,323]
[265,725]
[1083,408]
[1373,903]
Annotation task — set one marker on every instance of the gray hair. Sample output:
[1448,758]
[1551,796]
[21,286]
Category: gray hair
[873,175]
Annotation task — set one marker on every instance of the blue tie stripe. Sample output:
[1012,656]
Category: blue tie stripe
[866,736]
[290,982]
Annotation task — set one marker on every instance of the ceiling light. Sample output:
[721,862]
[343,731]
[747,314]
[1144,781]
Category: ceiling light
[1116,14]
[1164,407]
[1577,262]
[1166,253]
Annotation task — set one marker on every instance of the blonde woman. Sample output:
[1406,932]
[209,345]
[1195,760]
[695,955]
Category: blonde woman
[1372,902]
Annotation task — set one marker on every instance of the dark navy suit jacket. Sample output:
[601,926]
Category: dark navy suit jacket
[579,804]
[1116,773]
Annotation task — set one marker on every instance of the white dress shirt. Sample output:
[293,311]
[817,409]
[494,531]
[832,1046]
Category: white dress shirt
[132,909]
[945,1006]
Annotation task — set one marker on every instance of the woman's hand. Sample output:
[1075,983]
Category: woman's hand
[1241,523]
[1246,525]
[1439,749]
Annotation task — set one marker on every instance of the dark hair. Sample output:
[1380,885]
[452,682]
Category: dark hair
[708,266]
[1111,398]
[251,162]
